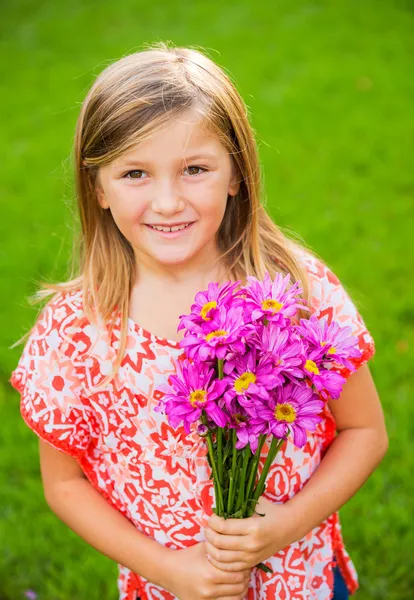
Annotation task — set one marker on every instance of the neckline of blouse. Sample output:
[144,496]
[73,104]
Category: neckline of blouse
[152,336]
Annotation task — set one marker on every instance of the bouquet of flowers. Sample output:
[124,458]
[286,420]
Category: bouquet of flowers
[252,369]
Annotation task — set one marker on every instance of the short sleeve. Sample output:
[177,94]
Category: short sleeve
[51,402]
[330,300]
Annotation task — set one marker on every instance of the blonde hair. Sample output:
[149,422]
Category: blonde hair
[128,101]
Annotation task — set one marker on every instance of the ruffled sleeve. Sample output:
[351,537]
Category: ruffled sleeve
[52,401]
[329,299]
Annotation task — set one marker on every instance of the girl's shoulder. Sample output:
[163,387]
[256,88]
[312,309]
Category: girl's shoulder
[329,299]
[316,269]
[328,296]
[64,314]
[62,332]
[62,308]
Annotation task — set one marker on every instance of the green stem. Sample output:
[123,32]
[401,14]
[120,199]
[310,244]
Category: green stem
[240,496]
[220,363]
[254,464]
[274,449]
[220,454]
[232,488]
[217,484]
[264,568]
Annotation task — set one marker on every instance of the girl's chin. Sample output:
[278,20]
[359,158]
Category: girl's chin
[172,258]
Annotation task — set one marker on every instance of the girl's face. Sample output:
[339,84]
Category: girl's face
[178,178]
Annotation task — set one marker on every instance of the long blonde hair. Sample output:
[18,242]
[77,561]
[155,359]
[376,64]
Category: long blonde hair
[129,100]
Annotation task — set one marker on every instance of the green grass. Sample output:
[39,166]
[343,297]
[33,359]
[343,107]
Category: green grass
[330,88]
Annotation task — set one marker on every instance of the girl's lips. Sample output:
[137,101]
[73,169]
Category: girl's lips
[170,235]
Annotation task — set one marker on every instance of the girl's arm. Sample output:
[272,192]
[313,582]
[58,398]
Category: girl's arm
[358,448]
[74,500]
[186,573]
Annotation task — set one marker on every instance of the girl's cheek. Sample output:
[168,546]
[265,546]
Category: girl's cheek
[211,202]
[131,211]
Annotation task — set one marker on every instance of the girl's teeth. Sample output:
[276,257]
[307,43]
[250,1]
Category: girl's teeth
[168,229]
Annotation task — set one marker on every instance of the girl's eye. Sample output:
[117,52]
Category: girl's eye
[201,170]
[136,171]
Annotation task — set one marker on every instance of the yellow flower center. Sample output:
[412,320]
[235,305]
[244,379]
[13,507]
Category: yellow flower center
[242,383]
[311,367]
[218,333]
[285,412]
[197,397]
[272,305]
[331,350]
[206,309]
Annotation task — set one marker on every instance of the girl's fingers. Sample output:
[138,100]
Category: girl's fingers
[231,592]
[224,556]
[230,567]
[226,542]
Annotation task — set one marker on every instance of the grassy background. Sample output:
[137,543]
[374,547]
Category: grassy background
[330,88]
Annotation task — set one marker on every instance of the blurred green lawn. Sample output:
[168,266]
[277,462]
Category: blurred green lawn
[330,88]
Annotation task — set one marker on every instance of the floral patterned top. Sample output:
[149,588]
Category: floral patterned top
[158,477]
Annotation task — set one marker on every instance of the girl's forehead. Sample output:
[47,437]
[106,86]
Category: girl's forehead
[183,137]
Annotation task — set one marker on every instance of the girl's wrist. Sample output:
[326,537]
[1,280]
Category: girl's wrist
[293,522]
[158,569]
[165,568]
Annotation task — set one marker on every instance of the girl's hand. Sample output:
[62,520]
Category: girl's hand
[236,544]
[192,577]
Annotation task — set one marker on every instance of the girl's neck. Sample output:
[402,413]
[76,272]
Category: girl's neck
[195,274]
[160,296]
[156,302]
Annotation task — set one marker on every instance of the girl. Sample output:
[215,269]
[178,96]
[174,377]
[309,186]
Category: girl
[168,186]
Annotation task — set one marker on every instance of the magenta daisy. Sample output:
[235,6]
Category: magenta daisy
[190,392]
[246,379]
[328,382]
[333,342]
[217,338]
[240,421]
[283,349]
[292,408]
[273,300]
[207,303]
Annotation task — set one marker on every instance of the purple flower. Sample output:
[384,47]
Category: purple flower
[240,421]
[207,303]
[328,382]
[272,300]
[248,380]
[190,392]
[283,349]
[292,408]
[332,342]
[202,430]
[217,338]
[30,594]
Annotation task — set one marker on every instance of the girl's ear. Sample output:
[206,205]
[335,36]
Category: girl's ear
[100,194]
[234,188]
[234,184]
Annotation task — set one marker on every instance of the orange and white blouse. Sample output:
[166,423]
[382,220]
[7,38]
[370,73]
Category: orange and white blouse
[158,477]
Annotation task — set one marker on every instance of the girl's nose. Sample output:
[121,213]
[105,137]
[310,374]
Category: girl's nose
[167,199]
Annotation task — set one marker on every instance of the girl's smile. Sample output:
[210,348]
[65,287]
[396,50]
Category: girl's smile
[170,232]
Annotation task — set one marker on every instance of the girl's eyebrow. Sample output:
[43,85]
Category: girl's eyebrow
[186,159]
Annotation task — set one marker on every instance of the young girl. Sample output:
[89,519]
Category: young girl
[168,185]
